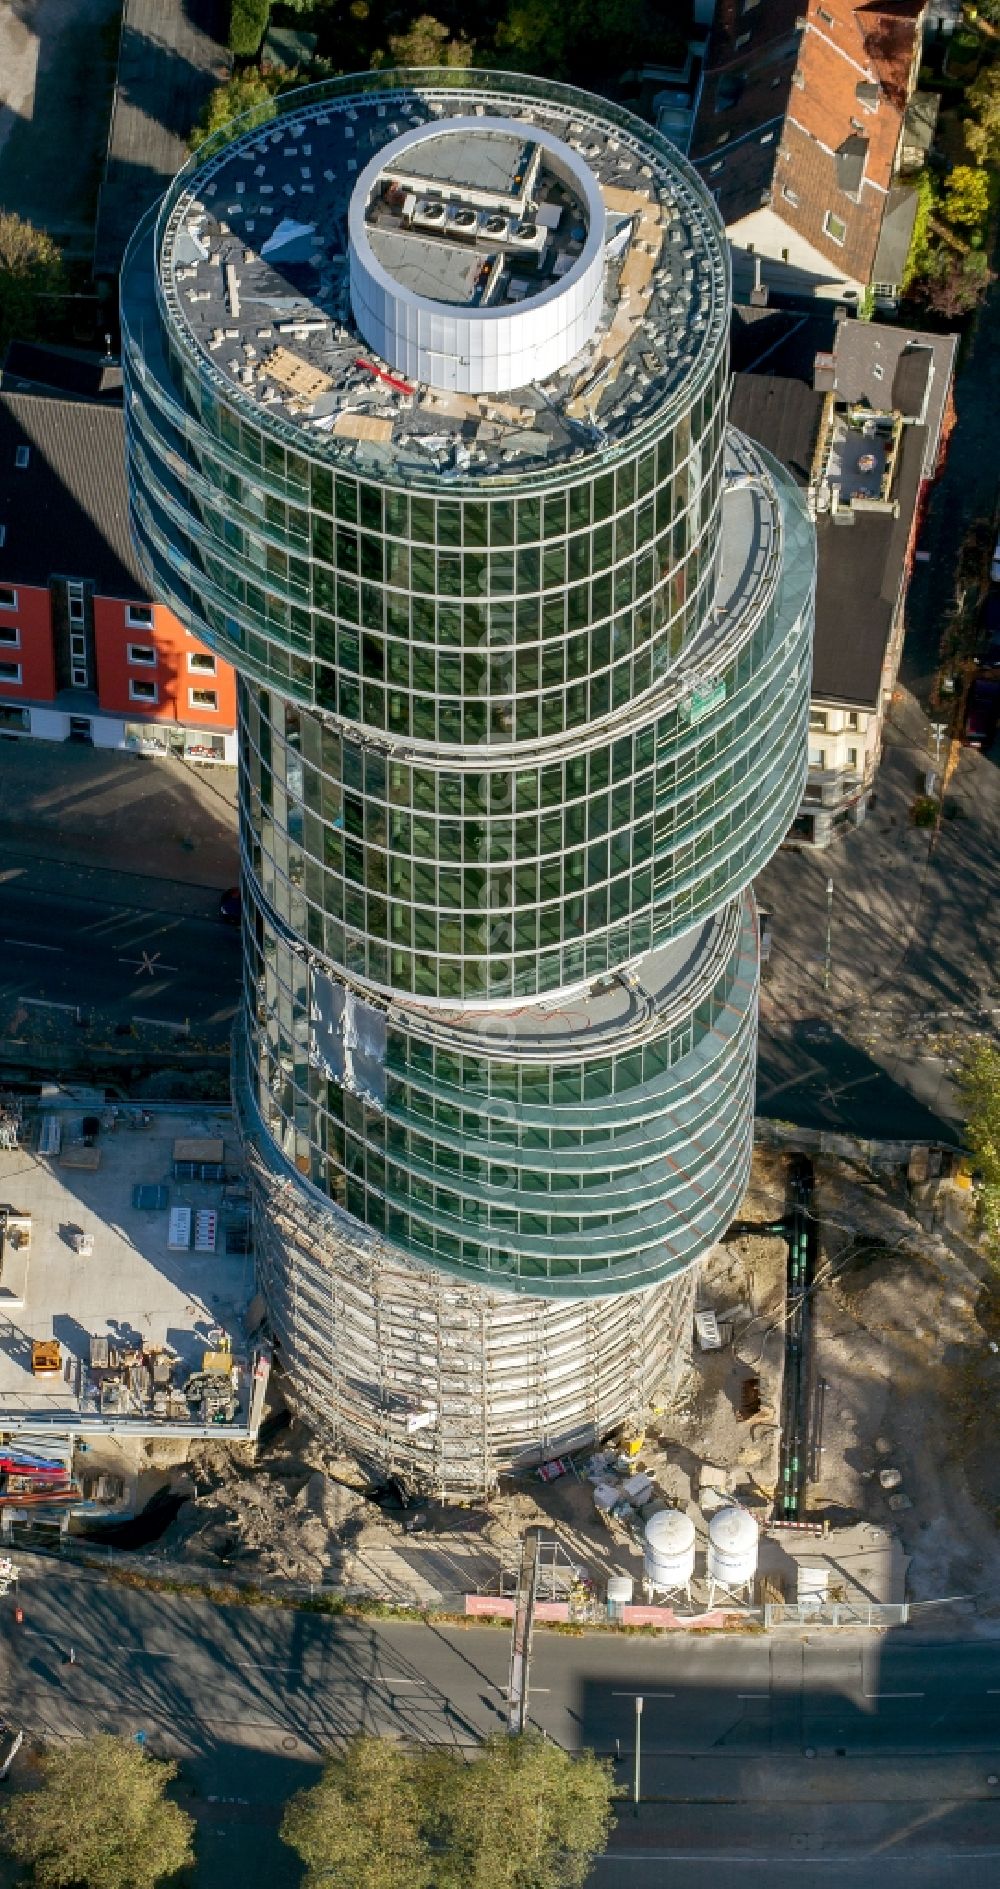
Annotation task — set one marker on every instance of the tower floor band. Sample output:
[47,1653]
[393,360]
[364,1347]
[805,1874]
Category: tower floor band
[427,381]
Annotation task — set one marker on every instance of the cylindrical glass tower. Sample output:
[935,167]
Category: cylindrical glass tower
[427,379]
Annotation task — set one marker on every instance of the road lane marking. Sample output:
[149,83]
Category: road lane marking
[753,1695]
[637,1695]
[857,1859]
[146,1652]
[892,1695]
[28,944]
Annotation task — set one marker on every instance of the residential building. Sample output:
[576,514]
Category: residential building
[87,652]
[524,640]
[799,134]
[862,427]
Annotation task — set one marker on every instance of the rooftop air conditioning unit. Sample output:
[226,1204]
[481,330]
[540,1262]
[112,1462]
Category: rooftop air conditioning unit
[463,223]
[528,237]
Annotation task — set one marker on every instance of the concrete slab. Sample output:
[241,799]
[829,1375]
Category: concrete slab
[132,1289]
[864,1563]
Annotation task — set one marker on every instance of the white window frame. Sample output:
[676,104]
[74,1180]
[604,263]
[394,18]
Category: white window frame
[8,597]
[207,708]
[13,640]
[22,458]
[10,681]
[142,691]
[139,616]
[791,196]
[829,218]
[201,662]
[817,759]
[142,661]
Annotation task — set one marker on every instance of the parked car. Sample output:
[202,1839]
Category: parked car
[982,712]
[231,906]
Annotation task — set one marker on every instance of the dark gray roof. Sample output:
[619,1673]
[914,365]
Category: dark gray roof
[29,367]
[171,56]
[894,238]
[783,415]
[910,382]
[871,357]
[861,558]
[779,340]
[920,122]
[851,157]
[65,514]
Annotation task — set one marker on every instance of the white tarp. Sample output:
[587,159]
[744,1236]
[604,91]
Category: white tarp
[347,1038]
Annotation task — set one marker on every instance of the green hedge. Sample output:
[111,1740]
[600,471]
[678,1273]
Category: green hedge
[247,26]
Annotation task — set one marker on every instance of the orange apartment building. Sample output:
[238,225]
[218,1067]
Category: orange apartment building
[85,653]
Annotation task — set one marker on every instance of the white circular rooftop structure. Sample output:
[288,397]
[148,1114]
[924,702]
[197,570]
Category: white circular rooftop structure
[477,254]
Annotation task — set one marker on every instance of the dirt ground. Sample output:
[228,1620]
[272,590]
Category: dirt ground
[902,1343]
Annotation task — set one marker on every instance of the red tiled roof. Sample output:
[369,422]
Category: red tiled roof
[831,90]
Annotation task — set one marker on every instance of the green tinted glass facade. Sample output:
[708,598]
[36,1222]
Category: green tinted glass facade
[513,746]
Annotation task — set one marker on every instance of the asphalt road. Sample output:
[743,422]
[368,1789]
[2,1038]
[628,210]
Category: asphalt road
[115,944]
[752,1749]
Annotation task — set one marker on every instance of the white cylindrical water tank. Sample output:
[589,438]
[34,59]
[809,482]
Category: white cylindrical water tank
[669,1548]
[732,1547]
[620,1589]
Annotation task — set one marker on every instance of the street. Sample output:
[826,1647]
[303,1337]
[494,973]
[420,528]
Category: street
[884,955]
[119,946]
[751,1746]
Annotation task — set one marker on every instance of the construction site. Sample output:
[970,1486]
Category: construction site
[793,1463]
[125,1286]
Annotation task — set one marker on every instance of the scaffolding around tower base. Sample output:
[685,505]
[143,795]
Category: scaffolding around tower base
[441,1383]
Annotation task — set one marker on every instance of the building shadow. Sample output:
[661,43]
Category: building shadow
[812,1076]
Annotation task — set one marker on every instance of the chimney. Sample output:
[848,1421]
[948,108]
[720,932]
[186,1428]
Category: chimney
[758,294]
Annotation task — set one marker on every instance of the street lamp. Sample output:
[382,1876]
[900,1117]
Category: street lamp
[829,933]
[638,1753]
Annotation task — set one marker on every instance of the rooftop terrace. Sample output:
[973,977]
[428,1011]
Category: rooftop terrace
[255,267]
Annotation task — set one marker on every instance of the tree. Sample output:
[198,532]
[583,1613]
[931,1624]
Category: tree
[247,25]
[247,93]
[523,1815]
[979,1090]
[956,284]
[30,267]
[362,1825]
[427,43]
[966,197]
[982,130]
[99,1818]
[585,41]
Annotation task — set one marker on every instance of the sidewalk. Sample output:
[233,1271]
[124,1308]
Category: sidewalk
[100,808]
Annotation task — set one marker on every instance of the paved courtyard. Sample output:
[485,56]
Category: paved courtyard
[57,66]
